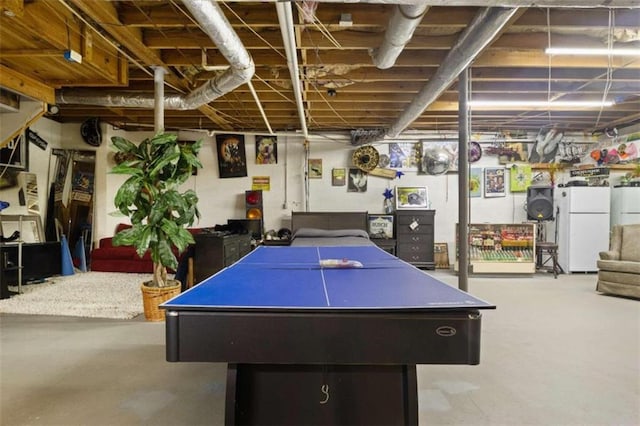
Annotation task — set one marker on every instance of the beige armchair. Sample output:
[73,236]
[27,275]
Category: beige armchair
[619,268]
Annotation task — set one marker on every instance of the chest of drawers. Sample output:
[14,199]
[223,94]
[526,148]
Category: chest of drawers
[414,237]
[214,252]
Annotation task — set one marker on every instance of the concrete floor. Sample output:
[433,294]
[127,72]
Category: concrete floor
[554,353]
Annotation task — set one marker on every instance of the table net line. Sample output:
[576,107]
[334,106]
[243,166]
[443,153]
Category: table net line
[324,283]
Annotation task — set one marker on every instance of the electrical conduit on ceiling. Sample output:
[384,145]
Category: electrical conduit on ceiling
[213,22]
[402,25]
[487,23]
[285,18]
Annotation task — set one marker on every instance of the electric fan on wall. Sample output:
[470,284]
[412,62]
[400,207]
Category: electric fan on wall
[90,131]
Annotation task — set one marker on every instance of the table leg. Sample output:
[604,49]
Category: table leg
[267,394]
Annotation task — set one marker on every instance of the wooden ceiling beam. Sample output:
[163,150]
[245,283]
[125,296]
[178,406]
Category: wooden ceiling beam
[164,15]
[193,38]
[331,59]
[28,86]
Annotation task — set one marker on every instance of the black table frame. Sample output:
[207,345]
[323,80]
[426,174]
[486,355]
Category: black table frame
[339,347]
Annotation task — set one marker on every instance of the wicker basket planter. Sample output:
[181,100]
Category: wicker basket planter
[154,296]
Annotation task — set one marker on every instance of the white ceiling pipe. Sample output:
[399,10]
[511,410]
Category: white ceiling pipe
[285,18]
[213,22]
[402,24]
[487,23]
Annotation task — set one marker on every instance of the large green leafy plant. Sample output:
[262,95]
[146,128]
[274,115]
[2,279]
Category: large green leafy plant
[150,197]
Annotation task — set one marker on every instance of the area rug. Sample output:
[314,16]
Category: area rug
[83,294]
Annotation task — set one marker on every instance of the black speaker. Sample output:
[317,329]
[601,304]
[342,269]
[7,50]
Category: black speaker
[540,203]
[247,226]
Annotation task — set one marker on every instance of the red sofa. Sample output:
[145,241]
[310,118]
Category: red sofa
[109,258]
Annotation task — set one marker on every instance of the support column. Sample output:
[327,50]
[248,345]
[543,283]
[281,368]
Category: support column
[464,120]
[158,108]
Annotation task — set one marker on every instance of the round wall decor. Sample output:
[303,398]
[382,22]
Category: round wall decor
[366,158]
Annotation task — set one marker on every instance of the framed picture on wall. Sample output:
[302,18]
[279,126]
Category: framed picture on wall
[475,182]
[357,180]
[266,150]
[315,168]
[232,158]
[412,197]
[381,225]
[404,155]
[494,185]
[339,176]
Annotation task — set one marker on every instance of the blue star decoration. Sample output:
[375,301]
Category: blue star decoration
[399,174]
[388,194]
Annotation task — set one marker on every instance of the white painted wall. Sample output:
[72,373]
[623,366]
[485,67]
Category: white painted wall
[50,131]
[222,199]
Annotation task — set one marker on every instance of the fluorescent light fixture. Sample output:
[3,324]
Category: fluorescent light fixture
[576,51]
[541,104]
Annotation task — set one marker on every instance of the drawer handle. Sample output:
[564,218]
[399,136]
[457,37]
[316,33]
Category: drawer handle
[415,238]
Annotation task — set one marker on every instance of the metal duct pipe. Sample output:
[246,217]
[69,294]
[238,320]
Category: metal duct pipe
[487,23]
[402,25]
[213,22]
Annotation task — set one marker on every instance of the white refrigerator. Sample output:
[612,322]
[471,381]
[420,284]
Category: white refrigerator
[625,205]
[583,226]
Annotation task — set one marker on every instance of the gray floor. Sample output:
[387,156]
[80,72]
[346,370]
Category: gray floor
[553,353]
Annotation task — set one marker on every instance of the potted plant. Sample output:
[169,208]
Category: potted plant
[158,211]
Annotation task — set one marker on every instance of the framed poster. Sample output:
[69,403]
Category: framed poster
[412,197]
[494,182]
[520,177]
[357,180]
[266,150]
[232,158]
[381,226]
[404,155]
[475,182]
[338,177]
[315,168]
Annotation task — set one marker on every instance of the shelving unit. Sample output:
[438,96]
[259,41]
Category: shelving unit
[6,265]
[29,184]
[501,248]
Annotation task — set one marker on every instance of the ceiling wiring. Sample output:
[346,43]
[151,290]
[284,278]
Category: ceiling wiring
[329,104]
[275,49]
[276,90]
[321,27]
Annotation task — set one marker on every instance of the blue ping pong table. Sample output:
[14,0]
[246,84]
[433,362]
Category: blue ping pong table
[308,345]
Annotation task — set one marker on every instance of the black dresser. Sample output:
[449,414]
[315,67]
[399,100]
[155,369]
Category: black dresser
[214,251]
[414,237]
